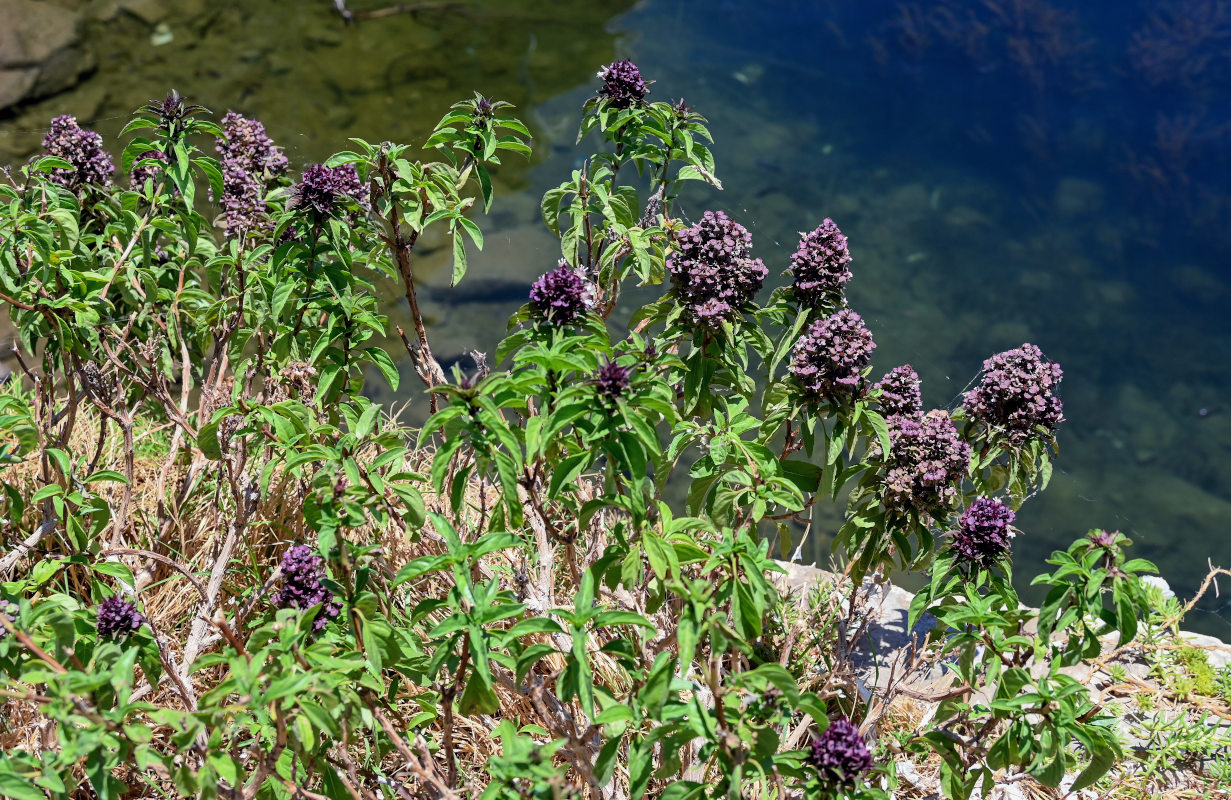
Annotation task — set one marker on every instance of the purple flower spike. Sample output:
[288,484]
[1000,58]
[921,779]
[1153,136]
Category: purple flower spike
[926,461]
[248,147]
[117,618]
[613,380]
[1017,393]
[623,85]
[901,395]
[249,161]
[560,296]
[80,147]
[984,533]
[712,274]
[840,755]
[321,188]
[302,571]
[830,356]
[819,265]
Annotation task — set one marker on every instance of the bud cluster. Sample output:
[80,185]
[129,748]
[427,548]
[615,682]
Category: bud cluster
[80,147]
[712,274]
[901,392]
[623,85]
[302,573]
[927,460]
[984,533]
[829,357]
[840,755]
[1017,394]
[560,297]
[819,266]
[117,618]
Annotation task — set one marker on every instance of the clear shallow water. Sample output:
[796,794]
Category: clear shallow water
[1004,175]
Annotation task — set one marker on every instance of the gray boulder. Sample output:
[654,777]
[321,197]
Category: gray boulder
[41,50]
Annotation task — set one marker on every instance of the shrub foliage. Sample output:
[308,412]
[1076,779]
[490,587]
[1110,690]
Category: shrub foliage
[230,574]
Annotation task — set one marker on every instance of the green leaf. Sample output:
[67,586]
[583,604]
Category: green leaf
[48,163]
[459,257]
[207,441]
[114,569]
[106,475]
[18,788]
[478,697]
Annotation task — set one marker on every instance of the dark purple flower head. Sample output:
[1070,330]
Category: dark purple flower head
[613,380]
[830,356]
[560,296]
[901,395]
[117,618]
[840,755]
[248,147]
[984,533]
[819,265]
[81,148]
[1017,394]
[623,85]
[712,274]
[141,173]
[926,461]
[302,571]
[321,188]
[173,109]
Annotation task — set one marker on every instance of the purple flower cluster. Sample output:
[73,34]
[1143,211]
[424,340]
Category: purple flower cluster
[712,274]
[830,356]
[321,188]
[840,755]
[80,147]
[140,174]
[249,160]
[117,618]
[926,461]
[901,395]
[1017,393]
[613,380]
[623,85]
[819,265]
[302,571]
[243,208]
[560,296]
[249,147]
[984,533]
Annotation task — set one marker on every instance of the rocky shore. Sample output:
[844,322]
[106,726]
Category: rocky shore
[1124,682]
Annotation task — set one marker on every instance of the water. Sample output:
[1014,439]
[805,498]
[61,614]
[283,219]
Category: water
[1006,172]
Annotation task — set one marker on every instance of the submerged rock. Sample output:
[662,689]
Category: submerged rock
[41,50]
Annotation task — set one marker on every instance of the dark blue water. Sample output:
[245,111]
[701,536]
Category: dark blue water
[1007,172]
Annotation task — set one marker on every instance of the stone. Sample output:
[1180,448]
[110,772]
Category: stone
[1218,653]
[1077,197]
[16,84]
[41,51]
[148,11]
